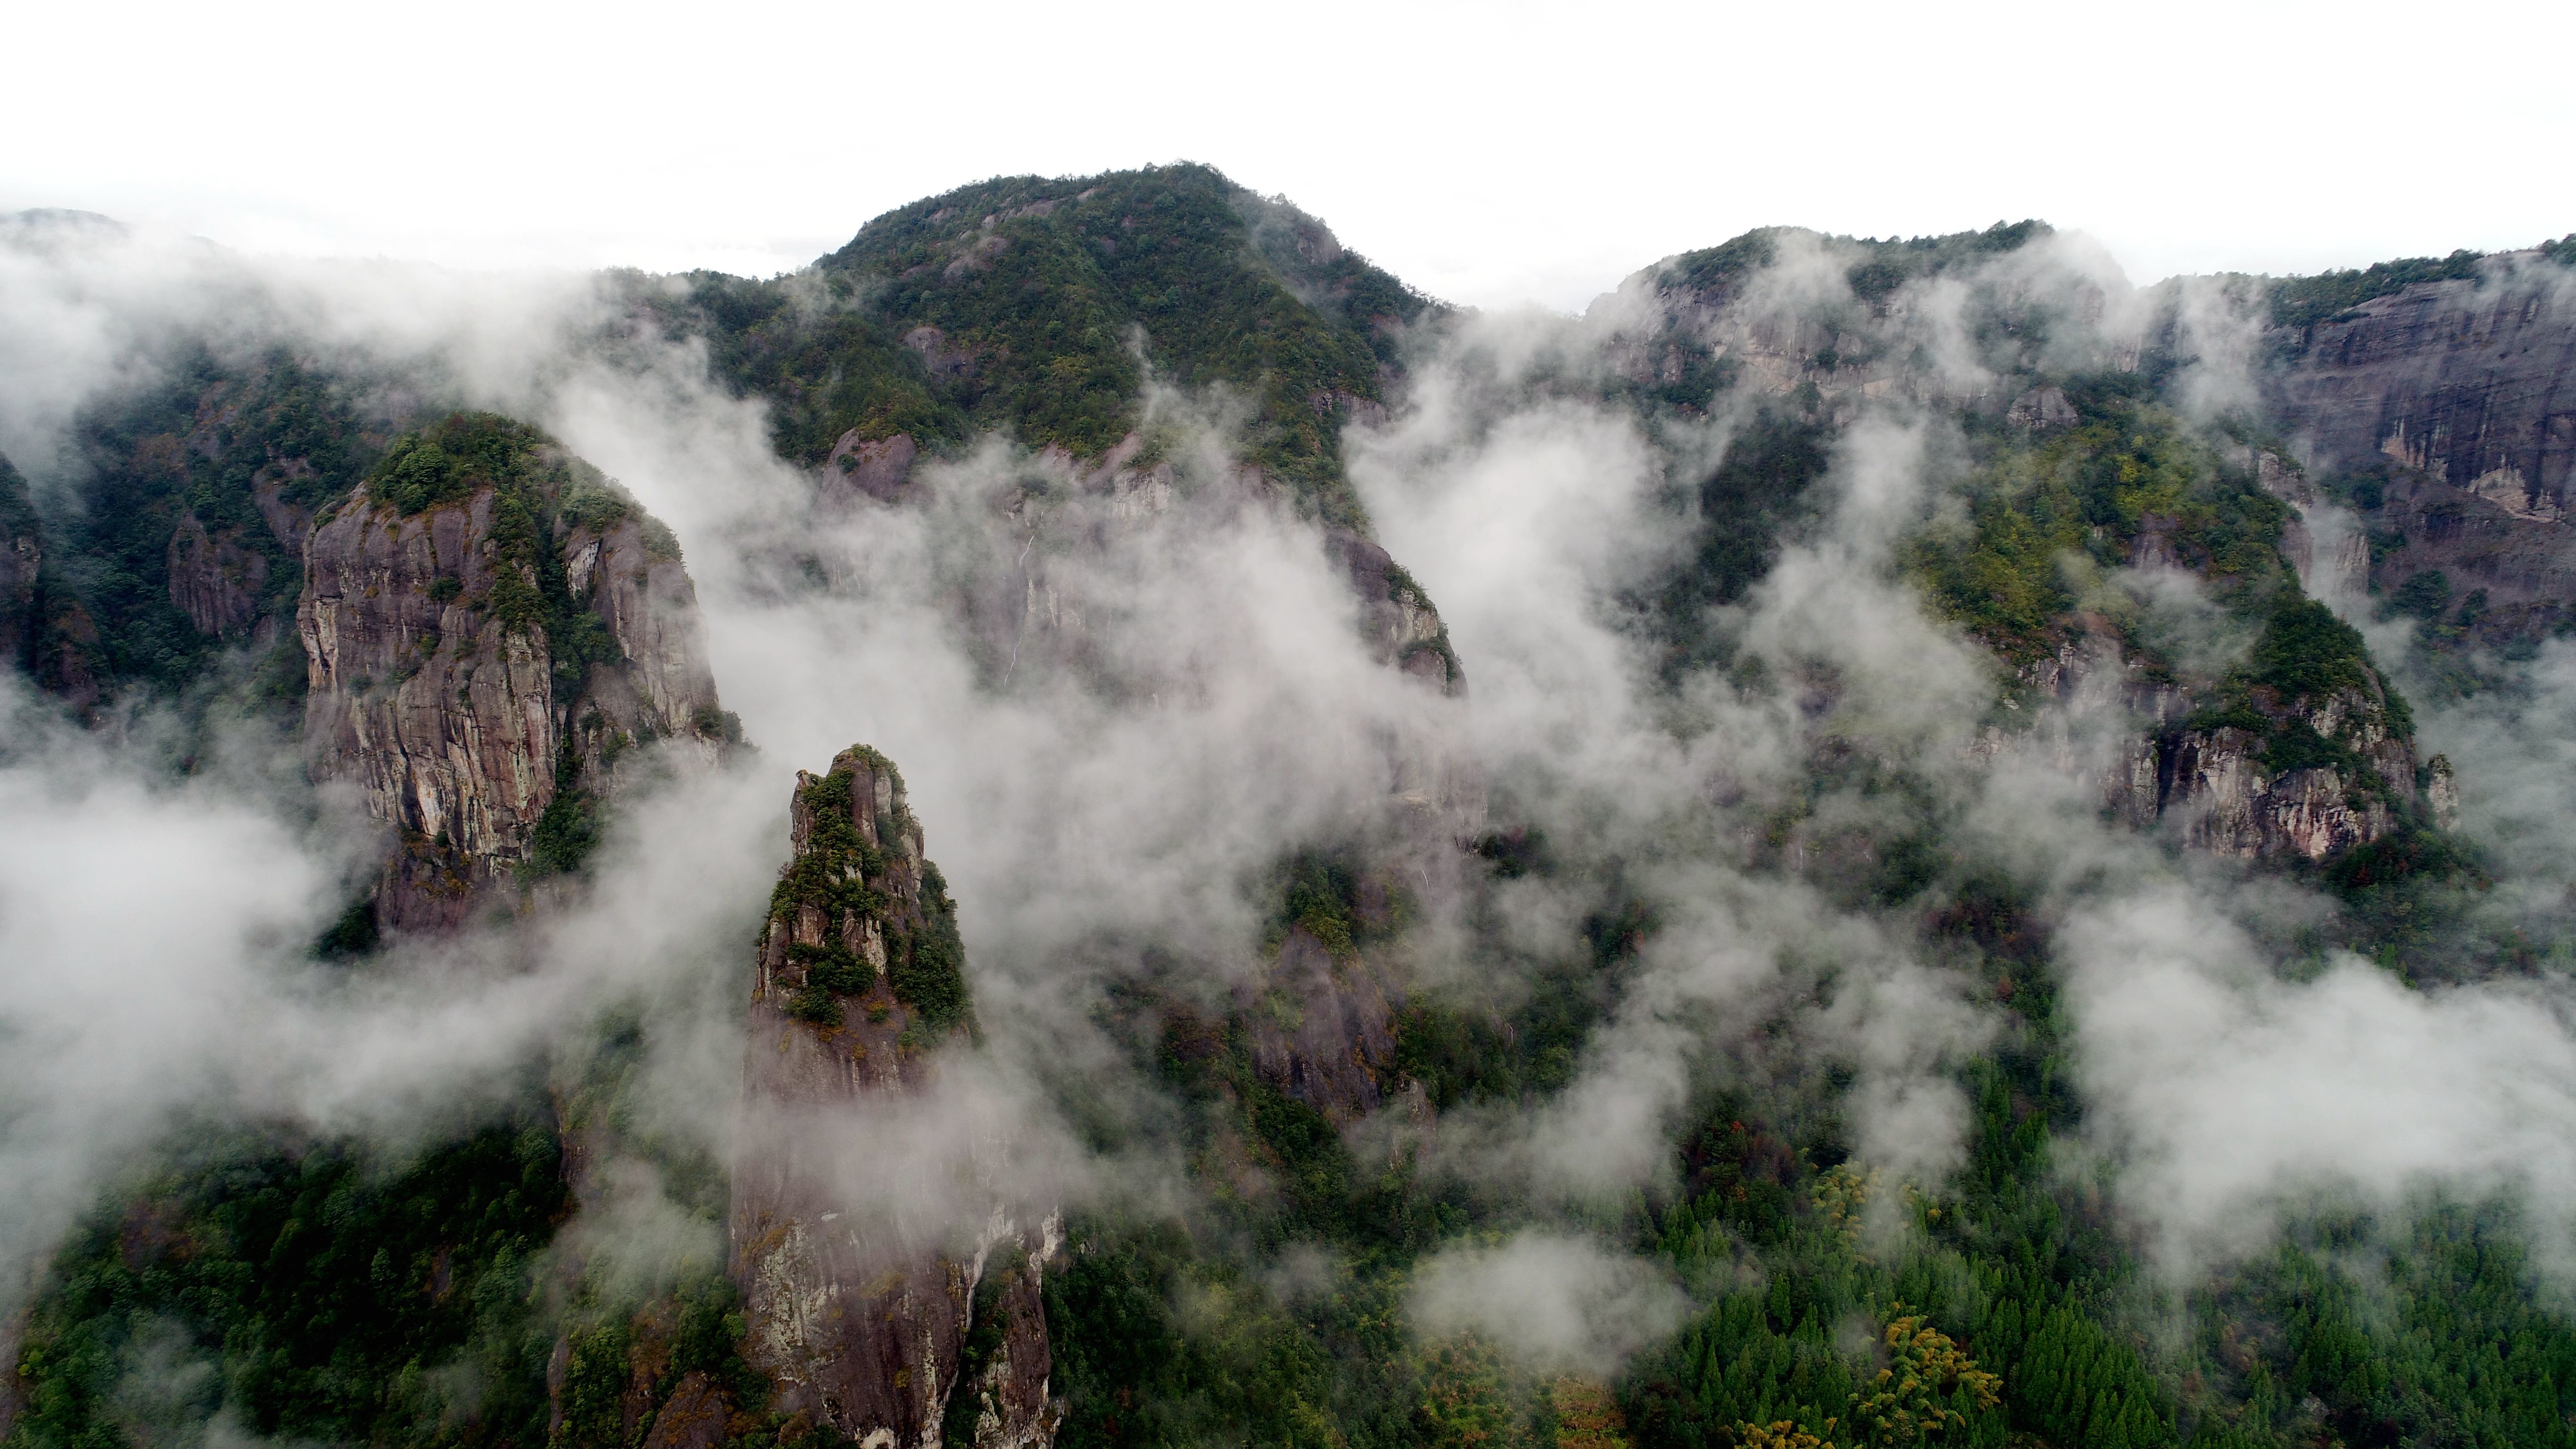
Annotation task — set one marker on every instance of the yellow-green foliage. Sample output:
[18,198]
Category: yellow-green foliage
[1781,1435]
[2088,495]
[1842,1194]
[1587,1416]
[1468,1399]
[1910,1401]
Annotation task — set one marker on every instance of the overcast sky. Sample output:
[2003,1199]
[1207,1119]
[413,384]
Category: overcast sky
[1486,153]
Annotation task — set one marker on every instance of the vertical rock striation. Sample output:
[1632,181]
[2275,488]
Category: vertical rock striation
[2462,394]
[490,628]
[876,1304]
[2465,380]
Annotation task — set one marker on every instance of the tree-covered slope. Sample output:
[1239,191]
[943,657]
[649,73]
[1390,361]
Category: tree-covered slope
[1041,307]
[182,534]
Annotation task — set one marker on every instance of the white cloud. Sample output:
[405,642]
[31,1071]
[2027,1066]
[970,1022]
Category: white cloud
[1558,1304]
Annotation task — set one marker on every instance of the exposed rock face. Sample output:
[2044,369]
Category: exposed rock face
[2464,393]
[214,581]
[2464,381]
[694,1417]
[1785,312]
[880,468]
[2442,792]
[436,685]
[866,1319]
[1321,1028]
[2212,781]
[219,577]
[1396,616]
[2041,409]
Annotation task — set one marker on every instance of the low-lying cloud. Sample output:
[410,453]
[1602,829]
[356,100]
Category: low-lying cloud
[1557,1304]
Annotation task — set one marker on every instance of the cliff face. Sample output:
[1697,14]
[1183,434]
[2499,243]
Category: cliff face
[1319,1025]
[220,576]
[215,582]
[2232,805]
[2466,381]
[2247,773]
[2462,394]
[487,651]
[899,1334]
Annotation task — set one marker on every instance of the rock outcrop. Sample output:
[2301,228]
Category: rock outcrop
[2262,777]
[214,580]
[898,1320]
[878,468]
[490,644]
[2462,394]
[2229,801]
[1319,1025]
[2465,381]
[220,577]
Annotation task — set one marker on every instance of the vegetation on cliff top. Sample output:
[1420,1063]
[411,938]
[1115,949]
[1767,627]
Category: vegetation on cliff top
[2326,296]
[2130,481]
[542,499]
[322,1295]
[851,881]
[1885,264]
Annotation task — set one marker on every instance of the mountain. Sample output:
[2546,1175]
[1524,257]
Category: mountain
[1937,707]
[1044,306]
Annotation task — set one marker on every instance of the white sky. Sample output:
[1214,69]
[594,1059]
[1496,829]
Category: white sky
[1486,153]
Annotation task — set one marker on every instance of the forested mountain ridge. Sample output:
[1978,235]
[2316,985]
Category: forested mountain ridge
[1044,305]
[1967,588]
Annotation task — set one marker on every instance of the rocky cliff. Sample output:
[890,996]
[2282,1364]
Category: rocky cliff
[491,631]
[2148,580]
[2236,770]
[896,1325]
[2452,404]
[1318,1022]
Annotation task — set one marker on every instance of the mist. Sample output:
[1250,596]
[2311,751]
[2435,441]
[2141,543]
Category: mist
[1117,709]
